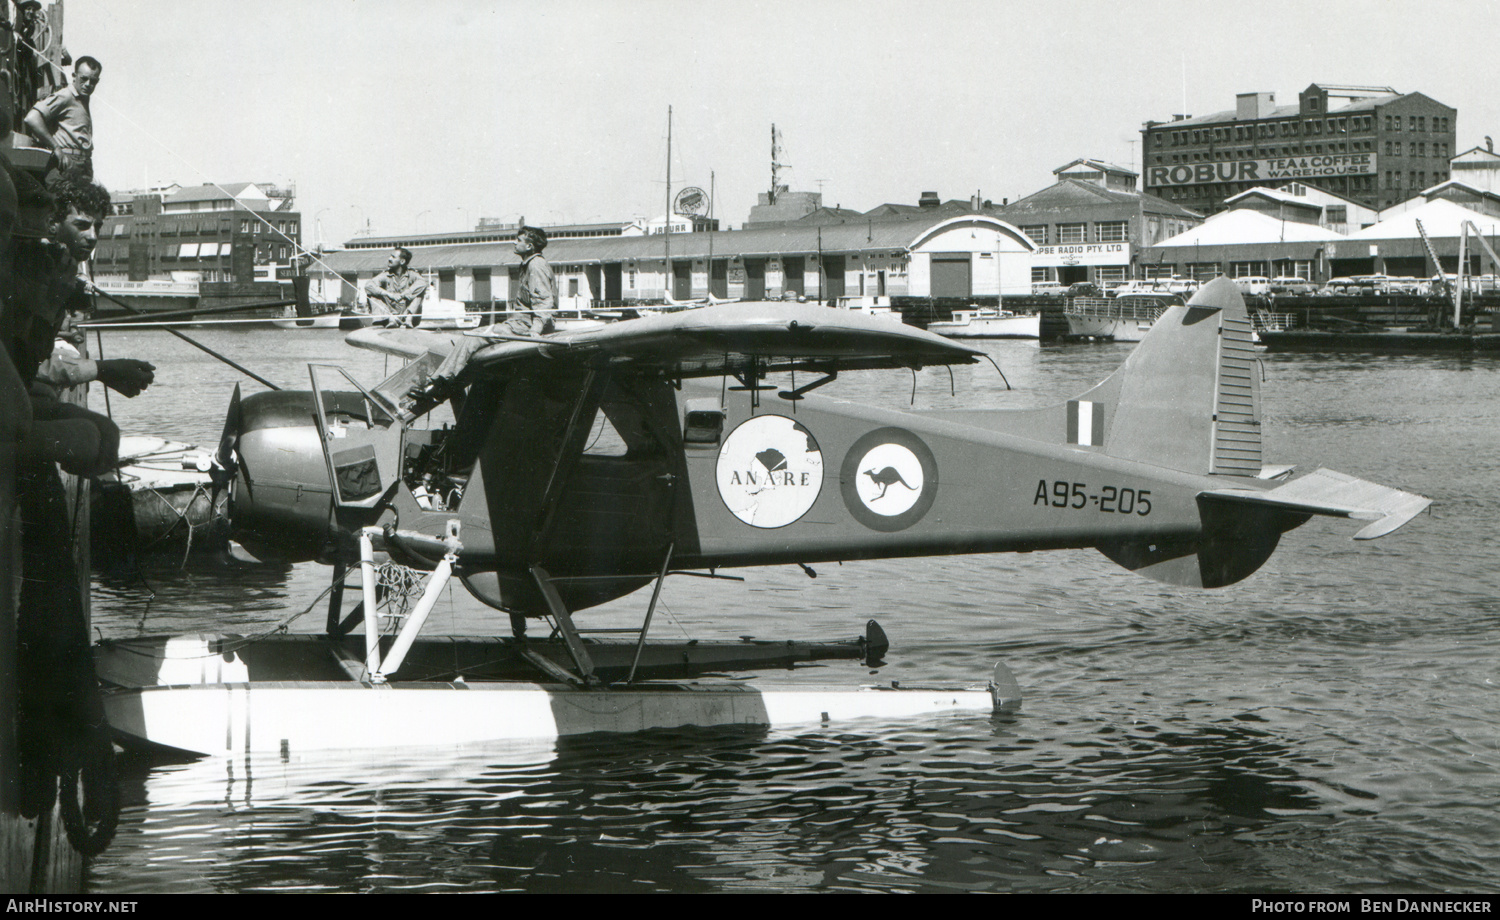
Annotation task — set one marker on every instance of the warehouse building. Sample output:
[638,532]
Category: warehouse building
[1369,144]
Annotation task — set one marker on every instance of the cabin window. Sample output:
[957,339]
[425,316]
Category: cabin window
[604,439]
[703,423]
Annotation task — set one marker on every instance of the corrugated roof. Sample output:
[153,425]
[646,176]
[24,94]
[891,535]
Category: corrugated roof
[1095,164]
[209,192]
[1242,227]
[1275,194]
[1076,193]
[1281,111]
[1440,218]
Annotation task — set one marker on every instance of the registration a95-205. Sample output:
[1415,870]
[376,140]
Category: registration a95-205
[1108,499]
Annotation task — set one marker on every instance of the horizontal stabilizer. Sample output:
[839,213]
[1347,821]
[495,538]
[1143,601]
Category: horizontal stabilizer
[1334,494]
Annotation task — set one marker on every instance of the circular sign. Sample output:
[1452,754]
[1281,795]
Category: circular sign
[889,479]
[770,471]
[692,201]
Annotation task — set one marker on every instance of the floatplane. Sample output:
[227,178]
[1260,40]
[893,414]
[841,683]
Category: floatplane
[584,466]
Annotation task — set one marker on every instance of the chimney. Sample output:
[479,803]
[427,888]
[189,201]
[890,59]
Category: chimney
[928,200]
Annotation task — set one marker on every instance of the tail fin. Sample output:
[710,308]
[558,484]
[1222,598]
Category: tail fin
[1188,397]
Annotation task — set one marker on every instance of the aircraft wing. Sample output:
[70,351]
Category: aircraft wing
[709,341]
[1334,494]
[402,342]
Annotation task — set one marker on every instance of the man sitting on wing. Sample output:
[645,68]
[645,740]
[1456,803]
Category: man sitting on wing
[398,290]
[534,303]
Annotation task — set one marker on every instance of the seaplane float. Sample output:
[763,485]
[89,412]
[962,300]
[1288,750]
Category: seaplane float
[583,466]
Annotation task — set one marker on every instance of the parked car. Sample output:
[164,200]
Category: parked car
[1253,284]
[1287,284]
[1047,288]
[1084,289]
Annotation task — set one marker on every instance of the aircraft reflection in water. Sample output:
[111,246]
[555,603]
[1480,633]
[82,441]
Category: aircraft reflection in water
[586,465]
[891,809]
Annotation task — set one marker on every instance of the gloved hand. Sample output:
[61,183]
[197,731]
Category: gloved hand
[126,375]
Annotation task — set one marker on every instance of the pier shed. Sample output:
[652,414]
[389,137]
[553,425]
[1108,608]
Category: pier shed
[973,255]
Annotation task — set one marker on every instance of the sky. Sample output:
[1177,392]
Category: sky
[396,116]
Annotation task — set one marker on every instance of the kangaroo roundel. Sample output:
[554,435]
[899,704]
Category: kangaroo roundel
[889,479]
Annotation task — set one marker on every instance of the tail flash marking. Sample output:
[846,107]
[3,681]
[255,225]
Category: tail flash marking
[1085,423]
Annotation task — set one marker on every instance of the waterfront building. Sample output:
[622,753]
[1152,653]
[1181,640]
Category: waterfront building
[971,255]
[1247,242]
[1369,144]
[1303,203]
[1478,167]
[239,232]
[1091,224]
[1394,246]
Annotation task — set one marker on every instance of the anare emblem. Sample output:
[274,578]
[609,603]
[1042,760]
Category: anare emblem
[770,471]
[889,479]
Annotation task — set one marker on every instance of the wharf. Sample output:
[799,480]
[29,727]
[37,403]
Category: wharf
[1387,342]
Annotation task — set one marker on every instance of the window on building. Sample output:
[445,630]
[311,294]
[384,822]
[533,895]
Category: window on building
[1110,274]
[1246,269]
[1112,231]
[1152,272]
[1071,233]
[1336,214]
[1037,233]
[1203,271]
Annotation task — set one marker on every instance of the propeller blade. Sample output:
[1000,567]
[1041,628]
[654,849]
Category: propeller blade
[226,457]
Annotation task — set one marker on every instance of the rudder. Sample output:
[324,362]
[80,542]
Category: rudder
[1187,398]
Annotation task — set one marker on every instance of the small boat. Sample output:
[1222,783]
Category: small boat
[1120,319]
[989,323]
[878,307]
[160,498]
[325,316]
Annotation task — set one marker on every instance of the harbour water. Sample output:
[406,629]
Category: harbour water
[1330,725]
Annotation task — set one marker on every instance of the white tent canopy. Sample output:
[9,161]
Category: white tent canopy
[1440,217]
[1242,227]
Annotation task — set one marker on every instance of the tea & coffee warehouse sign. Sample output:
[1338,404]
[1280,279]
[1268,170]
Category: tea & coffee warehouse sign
[1276,168]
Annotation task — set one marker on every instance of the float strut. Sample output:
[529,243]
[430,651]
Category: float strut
[372,616]
[655,593]
[559,610]
[413,625]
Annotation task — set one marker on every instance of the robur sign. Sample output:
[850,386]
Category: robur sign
[692,201]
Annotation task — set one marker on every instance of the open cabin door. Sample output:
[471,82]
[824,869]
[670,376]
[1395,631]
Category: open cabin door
[363,452]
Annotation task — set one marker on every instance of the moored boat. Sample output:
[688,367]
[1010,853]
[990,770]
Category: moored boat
[1121,319]
[989,323]
[330,316]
